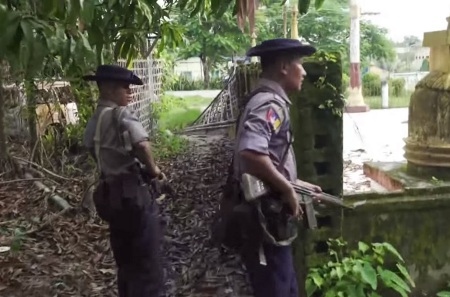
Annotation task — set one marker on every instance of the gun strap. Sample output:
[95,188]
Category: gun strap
[97,138]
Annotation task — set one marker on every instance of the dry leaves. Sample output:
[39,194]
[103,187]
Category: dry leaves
[71,255]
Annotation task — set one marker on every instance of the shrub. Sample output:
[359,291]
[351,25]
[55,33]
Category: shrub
[371,85]
[181,83]
[397,87]
[362,272]
[345,81]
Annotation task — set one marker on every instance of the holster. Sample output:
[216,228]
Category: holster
[276,216]
[236,225]
[113,195]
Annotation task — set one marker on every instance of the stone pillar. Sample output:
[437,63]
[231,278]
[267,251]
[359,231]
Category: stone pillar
[316,118]
[427,148]
[355,101]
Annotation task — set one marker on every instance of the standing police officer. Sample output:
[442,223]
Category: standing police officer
[263,144]
[116,139]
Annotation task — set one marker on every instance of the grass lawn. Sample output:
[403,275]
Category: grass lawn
[394,102]
[181,112]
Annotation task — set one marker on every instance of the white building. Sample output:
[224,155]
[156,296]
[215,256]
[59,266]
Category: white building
[189,68]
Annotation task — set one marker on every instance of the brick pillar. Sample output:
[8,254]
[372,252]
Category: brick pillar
[316,117]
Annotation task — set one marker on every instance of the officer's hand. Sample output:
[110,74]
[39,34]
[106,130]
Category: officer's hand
[312,187]
[291,199]
[162,177]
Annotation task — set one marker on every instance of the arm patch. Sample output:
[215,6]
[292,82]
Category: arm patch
[275,117]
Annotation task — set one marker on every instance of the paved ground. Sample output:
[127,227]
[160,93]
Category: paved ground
[376,135]
[379,132]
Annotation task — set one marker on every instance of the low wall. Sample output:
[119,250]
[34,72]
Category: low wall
[414,222]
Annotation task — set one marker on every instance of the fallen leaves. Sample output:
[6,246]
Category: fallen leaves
[70,255]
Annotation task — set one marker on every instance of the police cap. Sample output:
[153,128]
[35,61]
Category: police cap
[281,46]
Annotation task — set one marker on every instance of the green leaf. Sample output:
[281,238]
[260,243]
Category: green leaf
[318,4]
[317,279]
[393,281]
[9,28]
[310,287]
[369,275]
[49,7]
[363,247]
[392,250]
[303,6]
[443,294]
[405,274]
[87,13]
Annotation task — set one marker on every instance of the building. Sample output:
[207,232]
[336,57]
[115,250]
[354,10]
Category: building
[413,56]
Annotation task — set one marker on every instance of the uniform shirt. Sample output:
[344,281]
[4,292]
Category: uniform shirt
[115,159]
[265,128]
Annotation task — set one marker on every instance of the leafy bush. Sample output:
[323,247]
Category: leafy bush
[359,273]
[182,83]
[345,81]
[167,145]
[371,85]
[397,87]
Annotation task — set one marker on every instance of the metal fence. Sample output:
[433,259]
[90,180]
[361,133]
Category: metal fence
[410,78]
[150,71]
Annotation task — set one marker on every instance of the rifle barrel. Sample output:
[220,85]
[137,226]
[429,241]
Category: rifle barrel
[323,196]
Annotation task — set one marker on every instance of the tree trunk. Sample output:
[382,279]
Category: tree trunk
[3,149]
[205,66]
[31,111]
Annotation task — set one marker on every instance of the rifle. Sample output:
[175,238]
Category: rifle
[254,189]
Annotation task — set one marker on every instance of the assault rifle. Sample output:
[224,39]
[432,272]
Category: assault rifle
[254,189]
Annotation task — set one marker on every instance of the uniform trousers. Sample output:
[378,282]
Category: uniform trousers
[135,237]
[277,278]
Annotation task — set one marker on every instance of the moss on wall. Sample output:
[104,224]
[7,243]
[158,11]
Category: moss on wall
[413,221]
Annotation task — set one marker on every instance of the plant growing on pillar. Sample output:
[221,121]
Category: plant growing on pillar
[325,72]
[361,272]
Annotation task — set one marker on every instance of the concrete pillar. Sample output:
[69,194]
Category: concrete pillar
[355,102]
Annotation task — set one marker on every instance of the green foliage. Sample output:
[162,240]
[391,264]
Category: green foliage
[182,83]
[371,85]
[345,81]
[329,30]
[167,145]
[175,113]
[359,273]
[211,38]
[325,72]
[397,87]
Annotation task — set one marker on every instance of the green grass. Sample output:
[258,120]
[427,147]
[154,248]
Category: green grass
[176,113]
[394,102]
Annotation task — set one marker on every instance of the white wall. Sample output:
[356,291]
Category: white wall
[191,68]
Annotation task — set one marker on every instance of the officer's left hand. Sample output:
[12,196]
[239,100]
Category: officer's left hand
[312,187]
[315,188]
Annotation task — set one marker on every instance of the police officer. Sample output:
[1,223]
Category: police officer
[263,142]
[117,140]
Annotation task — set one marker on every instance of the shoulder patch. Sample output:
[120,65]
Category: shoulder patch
[275,117]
